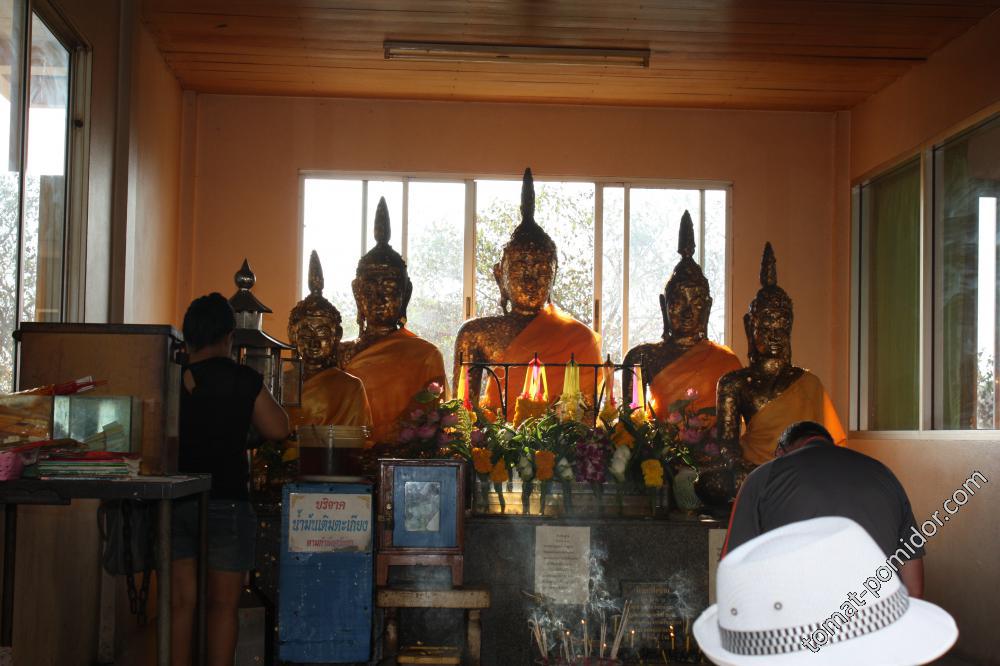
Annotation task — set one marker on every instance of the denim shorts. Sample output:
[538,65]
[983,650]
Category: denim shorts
[232,533]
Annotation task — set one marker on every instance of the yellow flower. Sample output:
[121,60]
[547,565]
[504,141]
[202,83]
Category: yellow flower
[652,473]
[544,464]
[481,460]
[499,472]
[620,436]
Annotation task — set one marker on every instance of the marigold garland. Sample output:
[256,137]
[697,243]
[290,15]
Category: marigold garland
[545,462]
[481,460]
[499,472]
[652,473]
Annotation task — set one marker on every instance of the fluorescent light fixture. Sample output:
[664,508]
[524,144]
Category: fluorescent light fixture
[507,53]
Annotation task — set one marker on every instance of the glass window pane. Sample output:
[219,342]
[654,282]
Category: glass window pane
[44,201]
[654,220]
[966,186]
[332,227]
[714,263]
[613,272]
[890,254]
[392,190]
[435,251]
[10,153]
[566,212]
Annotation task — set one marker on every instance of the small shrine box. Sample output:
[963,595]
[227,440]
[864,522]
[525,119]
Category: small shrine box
[420,514]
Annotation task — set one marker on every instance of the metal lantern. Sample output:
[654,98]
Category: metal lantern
[255,348]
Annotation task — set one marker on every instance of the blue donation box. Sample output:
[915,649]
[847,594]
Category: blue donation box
[325,603]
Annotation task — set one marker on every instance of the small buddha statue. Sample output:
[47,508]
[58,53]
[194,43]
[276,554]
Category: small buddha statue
[330,396]
[685,358]
[530,324]
[770,393]
[393,363]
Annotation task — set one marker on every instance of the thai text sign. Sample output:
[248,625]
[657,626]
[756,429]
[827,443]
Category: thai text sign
[562,563]
[329,523]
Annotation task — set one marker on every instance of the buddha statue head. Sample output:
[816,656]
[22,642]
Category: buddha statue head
[382,287]
[768,324]
[527,267]
[314,324]
[686,301]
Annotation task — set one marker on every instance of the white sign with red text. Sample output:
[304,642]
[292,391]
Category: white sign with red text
[329,523]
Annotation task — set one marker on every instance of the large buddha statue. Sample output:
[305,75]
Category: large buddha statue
[770,393]
[685,358]
[393,363]
[530,322]
[330,396]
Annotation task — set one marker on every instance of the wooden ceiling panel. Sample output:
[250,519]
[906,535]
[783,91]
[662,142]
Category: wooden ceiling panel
[757,54]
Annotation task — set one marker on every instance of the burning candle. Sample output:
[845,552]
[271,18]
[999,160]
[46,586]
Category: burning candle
[631,639]
[671,638]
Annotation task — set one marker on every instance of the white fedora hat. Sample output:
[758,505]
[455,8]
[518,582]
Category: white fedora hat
[784,598]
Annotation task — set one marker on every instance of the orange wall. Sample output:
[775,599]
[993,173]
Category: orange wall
[250,150]
[957,83]
[153,215]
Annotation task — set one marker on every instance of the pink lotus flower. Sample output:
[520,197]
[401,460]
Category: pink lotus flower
[449,421]
[694,422]
[433,417]
[426,431]
[690,436]
[675,418]
[417,414]
[435,388]
[443,438]
[406,434]
[692,394]
[476,436]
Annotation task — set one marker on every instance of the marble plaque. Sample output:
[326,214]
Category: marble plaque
[562,563]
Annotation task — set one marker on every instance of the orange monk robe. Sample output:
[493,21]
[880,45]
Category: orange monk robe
[698,368]
[332,397]
[804,400]
[554,335]
[394,370]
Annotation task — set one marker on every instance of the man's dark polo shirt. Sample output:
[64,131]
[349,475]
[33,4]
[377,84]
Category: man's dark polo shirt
[821,479]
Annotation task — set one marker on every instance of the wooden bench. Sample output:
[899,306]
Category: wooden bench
[472,600]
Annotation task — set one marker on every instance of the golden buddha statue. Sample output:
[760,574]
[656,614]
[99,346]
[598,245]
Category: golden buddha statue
[685,358]
[393,363]
[770,393]
[530,324]
[330,396]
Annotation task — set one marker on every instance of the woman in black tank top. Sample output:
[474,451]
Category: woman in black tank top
[219,402]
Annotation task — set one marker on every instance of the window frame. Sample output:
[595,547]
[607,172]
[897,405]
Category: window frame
[930,285]
[469,265]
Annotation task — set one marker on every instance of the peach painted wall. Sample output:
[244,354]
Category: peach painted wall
[959,82]
[959,85]
[250,151]
[151,278]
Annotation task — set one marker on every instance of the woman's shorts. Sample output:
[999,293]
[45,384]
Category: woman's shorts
[232,533]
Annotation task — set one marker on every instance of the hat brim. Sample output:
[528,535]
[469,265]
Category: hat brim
[921,635]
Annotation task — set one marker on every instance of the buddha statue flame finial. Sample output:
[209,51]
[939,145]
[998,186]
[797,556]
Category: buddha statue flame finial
[244,278]
[528,235]
[315,275]
[382,257]
[687,272]
[770,295]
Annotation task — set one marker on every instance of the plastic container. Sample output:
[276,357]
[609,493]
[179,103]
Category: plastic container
[330,452]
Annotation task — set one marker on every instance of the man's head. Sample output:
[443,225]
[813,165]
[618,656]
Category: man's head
[209,321]
[382,288]
[799,434]
[527,268]
[686,301]
[314,324]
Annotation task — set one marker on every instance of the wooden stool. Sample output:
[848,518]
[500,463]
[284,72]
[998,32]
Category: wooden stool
[433,656]
[469,599]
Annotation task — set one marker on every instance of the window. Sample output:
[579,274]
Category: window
[928,289]
[34,103]
[451,233]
